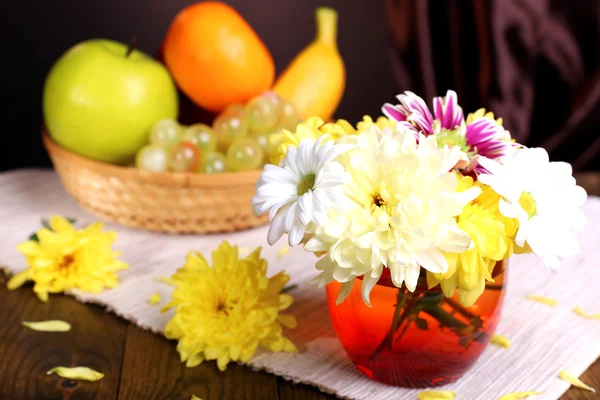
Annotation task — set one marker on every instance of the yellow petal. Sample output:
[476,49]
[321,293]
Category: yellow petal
[575,381]
[48,326]
[501,341]
[78,373]
[154,299]
[436,395]
[518,395]
[162,279]
[289,321]
[195,398]
[18,280]
[544,300]
[283,251]
[583,314]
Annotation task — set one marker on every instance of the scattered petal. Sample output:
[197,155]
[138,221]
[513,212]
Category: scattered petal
[436,395]
[575,381]
[77,373]
[501,341]
[518,395]
[283,251]
[583,314]
[544,300]
[48,326]
[165,280]
[154,299]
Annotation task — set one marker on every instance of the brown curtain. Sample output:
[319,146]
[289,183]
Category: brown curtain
[536,63]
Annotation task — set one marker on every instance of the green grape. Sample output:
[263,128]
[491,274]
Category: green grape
[202,136]
[213,164]
[244,154]
[288,117]
[266,144]
[229,128]
[234,109]
[184,157]
[275,100]
[165,133]
[262,114]
[152,158]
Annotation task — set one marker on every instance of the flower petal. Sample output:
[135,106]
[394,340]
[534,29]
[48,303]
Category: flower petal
[48,326]
[575,381]
[500,340]
[77,373]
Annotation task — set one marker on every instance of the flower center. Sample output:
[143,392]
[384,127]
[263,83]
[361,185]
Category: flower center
[453,138]
[527,202]
[307,183]
[378,201]
[66,262]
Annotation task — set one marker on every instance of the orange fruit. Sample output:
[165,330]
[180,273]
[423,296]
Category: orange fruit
[215,57]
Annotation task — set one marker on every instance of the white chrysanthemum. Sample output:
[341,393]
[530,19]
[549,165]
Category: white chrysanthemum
[402,212]
[543,196]
[301,191]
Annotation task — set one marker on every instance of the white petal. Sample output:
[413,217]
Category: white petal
[412,277]
[277,228]
[369,281]
[296,233]
[344,291]
[432,260]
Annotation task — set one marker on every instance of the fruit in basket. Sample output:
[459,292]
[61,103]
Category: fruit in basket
[244,154]
[152,158]
[215,57]
[288,117]
[314,82]
[165,133]
[262,113]
[214,163]
[101,98]
[229,127]
[184,157]
[202,136]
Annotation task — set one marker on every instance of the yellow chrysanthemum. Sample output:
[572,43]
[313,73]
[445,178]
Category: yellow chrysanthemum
[283,140]
[482,113]
[314,128]
[66,258]
[367,122]
[492,237]
[226,312]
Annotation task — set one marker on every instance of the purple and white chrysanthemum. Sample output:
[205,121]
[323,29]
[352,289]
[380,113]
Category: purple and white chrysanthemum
[480,135]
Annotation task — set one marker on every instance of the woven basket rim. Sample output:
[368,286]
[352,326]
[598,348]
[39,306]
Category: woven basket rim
[183,179]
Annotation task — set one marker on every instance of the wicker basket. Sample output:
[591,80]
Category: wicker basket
[158,201]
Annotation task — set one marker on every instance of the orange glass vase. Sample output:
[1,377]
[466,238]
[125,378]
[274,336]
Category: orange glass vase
[419,339]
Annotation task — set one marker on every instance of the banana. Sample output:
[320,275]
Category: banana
[314,81]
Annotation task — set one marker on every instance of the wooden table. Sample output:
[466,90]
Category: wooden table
[138,364]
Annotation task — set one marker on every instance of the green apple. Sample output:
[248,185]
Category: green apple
[101,98]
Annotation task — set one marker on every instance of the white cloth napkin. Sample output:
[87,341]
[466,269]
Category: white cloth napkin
[544,339]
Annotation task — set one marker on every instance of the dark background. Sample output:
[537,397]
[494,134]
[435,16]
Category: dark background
[535,63]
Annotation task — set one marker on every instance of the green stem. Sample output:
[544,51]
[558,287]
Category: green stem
[399,315]
[460,309]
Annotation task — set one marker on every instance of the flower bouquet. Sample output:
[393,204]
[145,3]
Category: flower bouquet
[413,217]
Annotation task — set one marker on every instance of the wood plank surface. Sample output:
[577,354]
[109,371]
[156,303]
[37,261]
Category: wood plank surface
[95,340]
[152,371]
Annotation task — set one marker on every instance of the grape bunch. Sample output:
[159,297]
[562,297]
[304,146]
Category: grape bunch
[237,141]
